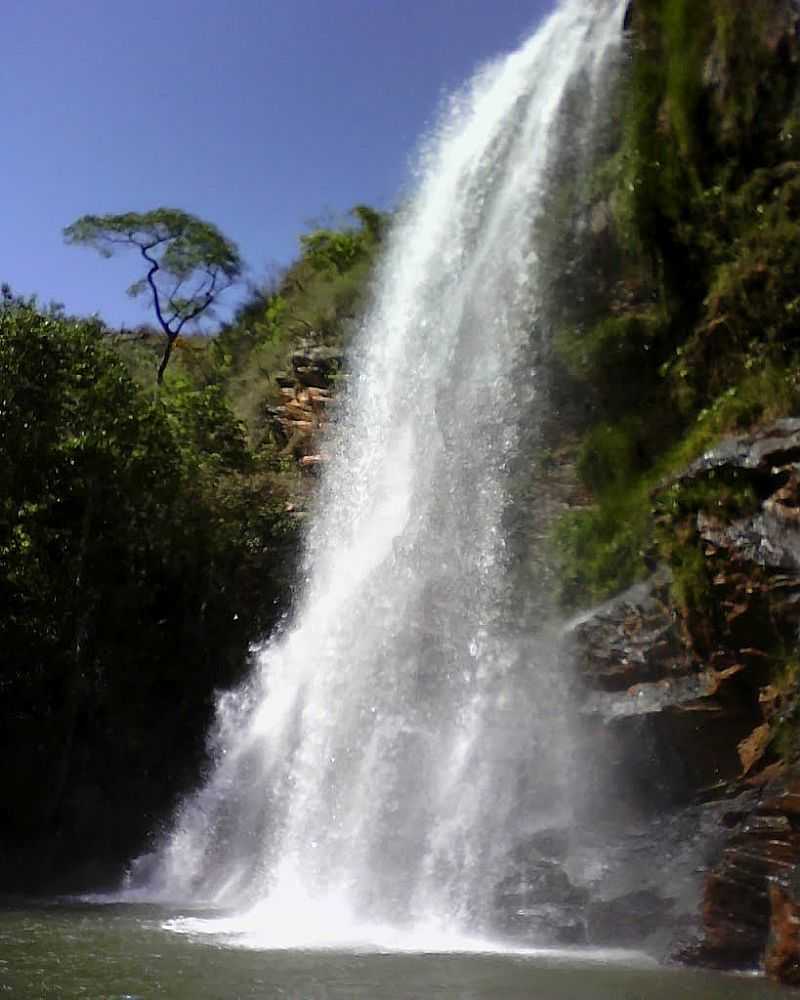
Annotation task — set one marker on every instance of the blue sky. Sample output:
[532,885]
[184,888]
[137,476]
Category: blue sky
[259,115]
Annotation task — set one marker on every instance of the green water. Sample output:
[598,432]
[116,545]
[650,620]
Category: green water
[122,953]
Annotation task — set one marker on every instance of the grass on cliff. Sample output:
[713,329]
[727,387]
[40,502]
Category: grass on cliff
[612,544]
[315,301]
[701,337]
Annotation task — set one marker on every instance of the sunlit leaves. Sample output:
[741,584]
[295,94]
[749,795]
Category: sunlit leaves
[188,261]
[131,524]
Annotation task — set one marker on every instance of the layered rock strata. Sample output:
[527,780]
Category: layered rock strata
[300,421]
[695,708]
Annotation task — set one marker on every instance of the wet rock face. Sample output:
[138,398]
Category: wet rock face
[628,19]
[572,887]
[681,705]
[750,900]
[782,960]
[630,639]
[317,367]
[627,920]
[758,453]
[536,901]
[658,725]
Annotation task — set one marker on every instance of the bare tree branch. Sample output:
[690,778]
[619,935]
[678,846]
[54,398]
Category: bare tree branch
[155,267]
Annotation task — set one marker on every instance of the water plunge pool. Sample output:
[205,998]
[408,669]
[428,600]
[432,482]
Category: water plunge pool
[124,952]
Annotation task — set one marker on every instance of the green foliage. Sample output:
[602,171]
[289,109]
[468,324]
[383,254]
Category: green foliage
[315,302]
[626,342]
[186,242]
[610,455]
[703,185]
[339,250]
[141,550]
[205,428]
[146,537]
[188,261]
[600,550]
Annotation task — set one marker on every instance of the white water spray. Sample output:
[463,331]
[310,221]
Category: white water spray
[371,775]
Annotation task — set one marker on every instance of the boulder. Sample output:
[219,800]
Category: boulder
[658,726]
[316,367]
[760,452]
[628,920]
[782,959]
[749,903]
[631,639]
[537,902]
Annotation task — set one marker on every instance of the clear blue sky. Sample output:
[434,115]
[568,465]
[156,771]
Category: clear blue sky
[259,115]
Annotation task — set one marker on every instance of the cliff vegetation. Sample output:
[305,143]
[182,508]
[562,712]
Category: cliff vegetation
[149,533]
[681,340]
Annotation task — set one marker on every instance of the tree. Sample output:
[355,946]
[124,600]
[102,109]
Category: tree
[142,549]
[189,262]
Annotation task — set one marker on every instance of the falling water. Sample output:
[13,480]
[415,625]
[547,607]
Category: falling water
[393,740]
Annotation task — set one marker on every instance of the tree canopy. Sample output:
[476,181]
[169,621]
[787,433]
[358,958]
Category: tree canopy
[142,548]
[189,262]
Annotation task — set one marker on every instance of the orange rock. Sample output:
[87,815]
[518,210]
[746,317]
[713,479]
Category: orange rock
[299,409]
[753,747]
[782,960]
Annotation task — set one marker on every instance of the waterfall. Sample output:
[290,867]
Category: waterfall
[397,735]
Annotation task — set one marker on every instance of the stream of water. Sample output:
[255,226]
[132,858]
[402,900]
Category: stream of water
[118,952]
[404,732]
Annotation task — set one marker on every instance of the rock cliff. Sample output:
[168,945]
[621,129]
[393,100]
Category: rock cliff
[690,714]
[674,364]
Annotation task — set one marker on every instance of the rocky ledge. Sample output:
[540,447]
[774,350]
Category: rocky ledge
[689,713]
[751,901]
[308,401]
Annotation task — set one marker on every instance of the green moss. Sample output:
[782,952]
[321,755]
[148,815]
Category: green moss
[664,134]
[751,312]
[711,97]
[686,31]
[315,302]
[615,344]
[785,727]
[691,586]
[728,497]
[600,550]
[704,188]
[758,390]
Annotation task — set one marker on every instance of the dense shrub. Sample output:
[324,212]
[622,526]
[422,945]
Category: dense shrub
[700,333]
[141,551]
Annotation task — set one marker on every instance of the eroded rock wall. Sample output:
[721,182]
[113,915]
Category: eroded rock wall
[690,709]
